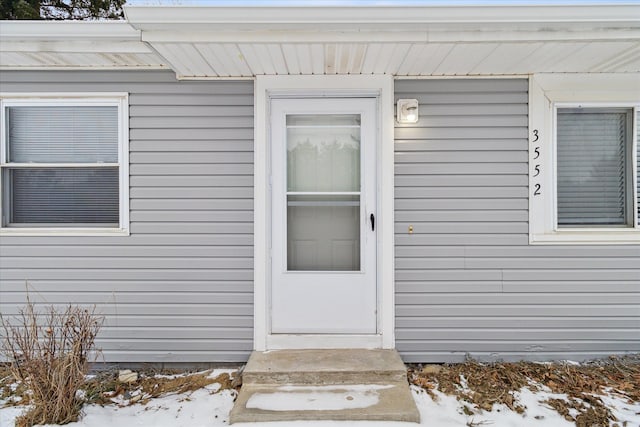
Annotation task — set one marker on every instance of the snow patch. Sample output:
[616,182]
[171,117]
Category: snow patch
[447,411]
[317,398]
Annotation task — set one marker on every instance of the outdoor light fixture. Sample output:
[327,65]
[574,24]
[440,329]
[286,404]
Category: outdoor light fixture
[407,111]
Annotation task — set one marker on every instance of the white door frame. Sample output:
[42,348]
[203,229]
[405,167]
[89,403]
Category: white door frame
[266,88]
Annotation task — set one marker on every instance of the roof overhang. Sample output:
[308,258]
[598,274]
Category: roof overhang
[74,44]
[244,41]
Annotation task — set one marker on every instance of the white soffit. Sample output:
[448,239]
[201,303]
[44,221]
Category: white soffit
[231,42]
[72,45]
[204,42]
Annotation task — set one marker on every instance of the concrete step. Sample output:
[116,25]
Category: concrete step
[346,402]
[340,385]
[340,366]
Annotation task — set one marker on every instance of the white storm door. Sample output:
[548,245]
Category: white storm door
[323,216]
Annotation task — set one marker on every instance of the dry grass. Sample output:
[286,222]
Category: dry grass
[48,354]
[481,386]
[104,388]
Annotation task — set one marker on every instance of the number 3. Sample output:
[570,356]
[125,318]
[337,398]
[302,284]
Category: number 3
[535,134]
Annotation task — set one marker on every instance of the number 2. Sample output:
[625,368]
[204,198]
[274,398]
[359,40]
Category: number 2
[536,192]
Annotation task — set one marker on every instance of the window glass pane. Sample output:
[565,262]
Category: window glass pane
[62,134]
[591,159]
[323,233]
[64,196]
[323,153]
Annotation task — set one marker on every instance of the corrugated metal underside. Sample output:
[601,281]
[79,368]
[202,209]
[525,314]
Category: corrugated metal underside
[401,59]
[180,288]
[467,281]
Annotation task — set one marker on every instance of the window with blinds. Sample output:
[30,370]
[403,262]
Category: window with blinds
[594,168]
[584,160]
[61,165]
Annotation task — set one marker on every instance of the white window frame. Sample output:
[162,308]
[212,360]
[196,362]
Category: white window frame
[119,100]
[547,93]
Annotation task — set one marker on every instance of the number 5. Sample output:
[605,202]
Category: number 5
[537,169]
[537,151]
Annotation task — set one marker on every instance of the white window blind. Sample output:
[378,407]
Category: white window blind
[65,196]
[63,134]
[592,175]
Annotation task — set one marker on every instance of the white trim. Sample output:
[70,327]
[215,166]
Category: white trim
[119,99]
[59,165]
[463,77]
[378,34]
[68,30]
[204,78]
[122,67]
[635,160]
[266,86]
[314,17]
[385,23]
[62,232]
[546,93]
[65,46]
[283,342]
[44,96]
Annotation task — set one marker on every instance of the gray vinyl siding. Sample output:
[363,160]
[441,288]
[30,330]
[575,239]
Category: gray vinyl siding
[180,287]
[467,280]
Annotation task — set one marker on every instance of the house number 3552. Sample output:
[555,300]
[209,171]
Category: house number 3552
[537,168]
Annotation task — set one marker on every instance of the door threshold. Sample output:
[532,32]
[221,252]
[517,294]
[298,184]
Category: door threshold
[320,341]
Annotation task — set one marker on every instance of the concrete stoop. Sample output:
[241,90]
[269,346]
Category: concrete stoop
[341,385]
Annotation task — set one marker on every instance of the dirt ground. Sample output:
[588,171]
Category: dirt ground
[478,385]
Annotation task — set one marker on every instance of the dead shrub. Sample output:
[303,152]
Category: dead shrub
[49,353]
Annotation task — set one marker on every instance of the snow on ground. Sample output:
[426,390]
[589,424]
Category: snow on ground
[202,408]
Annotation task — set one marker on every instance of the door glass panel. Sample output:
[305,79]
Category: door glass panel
[323,192]
[323,153]
[323,233]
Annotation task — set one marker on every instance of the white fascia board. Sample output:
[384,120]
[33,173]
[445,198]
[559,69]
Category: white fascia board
[68,30]
[75,46]
[624,14]
[369,24]
[380,36]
